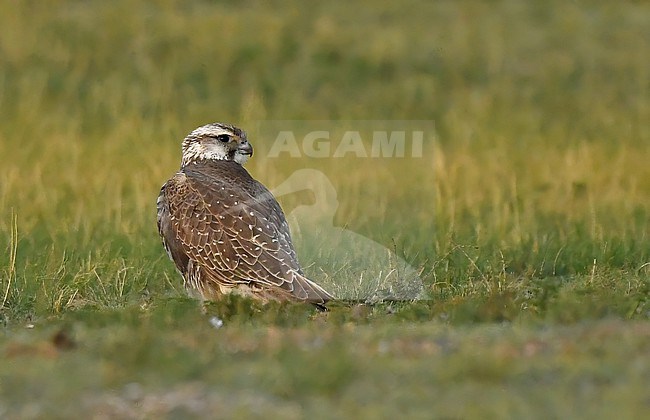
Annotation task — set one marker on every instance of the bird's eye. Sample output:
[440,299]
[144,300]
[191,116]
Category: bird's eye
[224,138]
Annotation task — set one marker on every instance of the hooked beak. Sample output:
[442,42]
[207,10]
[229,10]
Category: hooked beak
[245,148]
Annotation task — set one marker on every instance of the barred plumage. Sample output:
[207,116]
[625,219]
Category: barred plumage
[224,230]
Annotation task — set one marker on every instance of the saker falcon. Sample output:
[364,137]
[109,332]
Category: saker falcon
[224,231]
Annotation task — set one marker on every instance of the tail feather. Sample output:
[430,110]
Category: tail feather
[307,290]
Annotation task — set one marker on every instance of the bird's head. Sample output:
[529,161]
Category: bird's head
[216,141]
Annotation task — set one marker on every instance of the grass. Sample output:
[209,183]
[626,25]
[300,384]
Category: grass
[527,216]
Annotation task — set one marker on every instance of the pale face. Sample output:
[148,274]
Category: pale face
[216,142]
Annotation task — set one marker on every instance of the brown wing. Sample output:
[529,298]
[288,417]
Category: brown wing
[170,241]
[236,231]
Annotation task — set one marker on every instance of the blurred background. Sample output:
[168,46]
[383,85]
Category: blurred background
[538,165]
[526,217]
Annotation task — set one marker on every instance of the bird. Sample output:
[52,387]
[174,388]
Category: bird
[224,230]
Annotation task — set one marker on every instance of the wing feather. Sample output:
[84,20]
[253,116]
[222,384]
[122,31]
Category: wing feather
[237,235]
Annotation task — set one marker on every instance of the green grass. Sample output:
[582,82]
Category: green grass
[527,217]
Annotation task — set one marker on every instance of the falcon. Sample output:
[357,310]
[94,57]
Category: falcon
[224,231]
